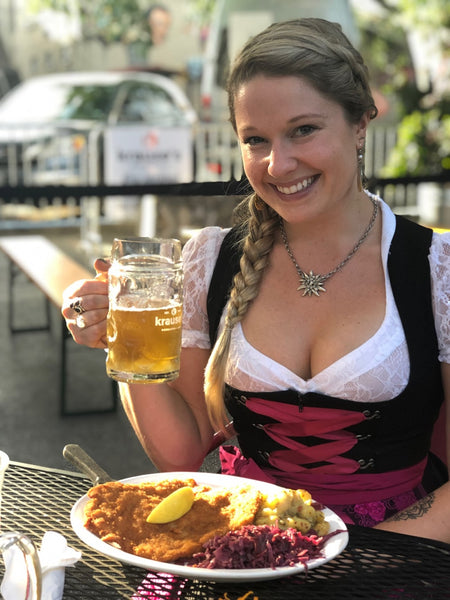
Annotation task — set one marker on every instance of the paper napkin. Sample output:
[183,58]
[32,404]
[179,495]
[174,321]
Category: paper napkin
[54,556]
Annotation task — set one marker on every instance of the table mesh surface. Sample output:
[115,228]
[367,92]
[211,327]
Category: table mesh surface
[375,565]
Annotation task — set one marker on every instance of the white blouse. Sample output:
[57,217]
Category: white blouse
[375,371]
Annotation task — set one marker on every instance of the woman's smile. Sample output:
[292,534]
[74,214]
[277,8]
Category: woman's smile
[293,188]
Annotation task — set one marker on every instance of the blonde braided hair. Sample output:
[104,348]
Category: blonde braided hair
[256,246]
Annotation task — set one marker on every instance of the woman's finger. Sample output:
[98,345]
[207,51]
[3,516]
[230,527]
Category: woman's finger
[87,333]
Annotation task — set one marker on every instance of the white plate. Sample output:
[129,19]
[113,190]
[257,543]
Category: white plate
[332,548]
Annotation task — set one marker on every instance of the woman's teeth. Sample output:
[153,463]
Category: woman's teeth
[292,189]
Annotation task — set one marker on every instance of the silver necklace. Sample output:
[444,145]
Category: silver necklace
[312,283]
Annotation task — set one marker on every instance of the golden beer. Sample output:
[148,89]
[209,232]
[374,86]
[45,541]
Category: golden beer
[144,343]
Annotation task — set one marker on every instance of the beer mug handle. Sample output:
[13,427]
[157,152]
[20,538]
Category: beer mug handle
[29,551]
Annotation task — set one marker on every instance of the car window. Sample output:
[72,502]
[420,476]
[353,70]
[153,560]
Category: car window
[90,102]
[31,103]
[39,102]
[151,105]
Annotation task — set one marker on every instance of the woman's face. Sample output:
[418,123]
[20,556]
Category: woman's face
[298,148]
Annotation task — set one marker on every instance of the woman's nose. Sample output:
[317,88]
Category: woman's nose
[281,160]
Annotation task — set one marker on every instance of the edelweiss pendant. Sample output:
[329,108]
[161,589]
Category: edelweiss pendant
[312,284]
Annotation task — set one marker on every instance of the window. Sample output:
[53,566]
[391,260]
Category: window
[151,105]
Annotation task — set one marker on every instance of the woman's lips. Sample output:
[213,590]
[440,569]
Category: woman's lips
[297,187]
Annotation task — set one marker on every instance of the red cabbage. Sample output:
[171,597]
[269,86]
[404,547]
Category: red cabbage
[259,546]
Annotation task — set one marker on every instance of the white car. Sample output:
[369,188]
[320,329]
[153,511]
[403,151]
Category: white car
[52,128]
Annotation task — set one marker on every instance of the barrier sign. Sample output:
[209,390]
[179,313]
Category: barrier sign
[137,154]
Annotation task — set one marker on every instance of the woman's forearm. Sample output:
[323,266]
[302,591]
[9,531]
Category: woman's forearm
[428,517]
[170,420]
[164,426]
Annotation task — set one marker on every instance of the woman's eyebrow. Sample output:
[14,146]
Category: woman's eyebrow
[306,116]
[301,117]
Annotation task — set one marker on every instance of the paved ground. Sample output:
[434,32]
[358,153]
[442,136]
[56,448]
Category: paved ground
[31,429]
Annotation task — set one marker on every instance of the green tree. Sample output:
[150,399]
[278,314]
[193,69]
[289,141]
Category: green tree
[202,9]
[115,20]
[385,50]
[105,20]
[423,145]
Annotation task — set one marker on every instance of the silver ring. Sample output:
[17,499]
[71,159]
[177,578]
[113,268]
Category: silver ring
[81,323]
[77,306]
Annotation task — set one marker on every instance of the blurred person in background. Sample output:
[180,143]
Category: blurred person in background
[318,328]
[159,21]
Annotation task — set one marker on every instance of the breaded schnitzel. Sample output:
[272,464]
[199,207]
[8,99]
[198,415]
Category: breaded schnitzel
[116,512]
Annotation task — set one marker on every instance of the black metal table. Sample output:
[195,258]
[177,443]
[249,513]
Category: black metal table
[375,564]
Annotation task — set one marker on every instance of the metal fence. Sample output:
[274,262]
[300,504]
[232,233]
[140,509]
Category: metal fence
[34,155]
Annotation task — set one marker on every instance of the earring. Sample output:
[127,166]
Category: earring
[360,159]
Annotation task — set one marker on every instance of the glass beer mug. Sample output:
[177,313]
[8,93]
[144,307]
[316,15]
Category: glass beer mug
[145,310]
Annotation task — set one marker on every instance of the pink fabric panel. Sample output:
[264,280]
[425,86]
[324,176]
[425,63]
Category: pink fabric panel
[329,488]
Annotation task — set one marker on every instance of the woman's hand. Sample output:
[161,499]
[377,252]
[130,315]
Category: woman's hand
[85,306]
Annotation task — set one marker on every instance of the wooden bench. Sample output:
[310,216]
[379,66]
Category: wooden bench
[52,271]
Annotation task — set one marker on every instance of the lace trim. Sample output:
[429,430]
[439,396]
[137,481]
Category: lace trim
[369,514]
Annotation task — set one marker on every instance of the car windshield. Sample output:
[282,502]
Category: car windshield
[36,102]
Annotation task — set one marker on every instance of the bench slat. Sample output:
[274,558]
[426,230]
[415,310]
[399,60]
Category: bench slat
[48,267]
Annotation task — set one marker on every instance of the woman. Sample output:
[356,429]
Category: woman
[327,347]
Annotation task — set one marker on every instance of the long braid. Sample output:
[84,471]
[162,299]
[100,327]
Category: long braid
[262,224]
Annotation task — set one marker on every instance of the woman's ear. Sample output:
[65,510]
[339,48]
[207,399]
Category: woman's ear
[361,127]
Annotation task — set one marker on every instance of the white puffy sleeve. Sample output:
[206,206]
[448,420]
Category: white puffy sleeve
[199,258]
[440,278]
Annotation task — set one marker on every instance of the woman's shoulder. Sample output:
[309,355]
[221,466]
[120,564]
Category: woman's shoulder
[442,236]
[212,235]
[204,245]
[440,277]
[440,247]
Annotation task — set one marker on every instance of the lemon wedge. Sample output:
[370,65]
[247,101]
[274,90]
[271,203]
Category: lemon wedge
[174,506]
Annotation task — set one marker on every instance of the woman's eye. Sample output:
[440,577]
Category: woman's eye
[304,130]
[300,131]
[253,140]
